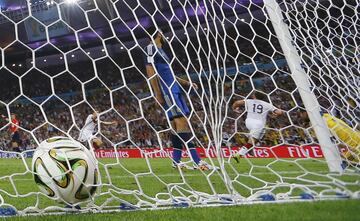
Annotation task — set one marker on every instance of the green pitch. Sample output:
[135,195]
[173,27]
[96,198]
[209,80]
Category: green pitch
[17,185]
[317,211]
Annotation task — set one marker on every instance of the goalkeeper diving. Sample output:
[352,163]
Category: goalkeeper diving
[350,138]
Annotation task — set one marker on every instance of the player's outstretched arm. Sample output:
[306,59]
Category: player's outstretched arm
[108,122]
[277,112]
[154,83]
[237,104]
[187,83]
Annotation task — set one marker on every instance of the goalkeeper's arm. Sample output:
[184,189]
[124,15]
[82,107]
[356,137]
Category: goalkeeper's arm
[154,83]
[186,83]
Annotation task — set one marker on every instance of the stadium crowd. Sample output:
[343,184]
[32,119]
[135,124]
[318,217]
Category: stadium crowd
[141,121]
[145,117]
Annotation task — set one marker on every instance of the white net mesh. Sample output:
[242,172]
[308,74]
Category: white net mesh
[326,34]
[62,60]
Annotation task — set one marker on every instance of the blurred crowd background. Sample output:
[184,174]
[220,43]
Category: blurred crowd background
[56,70]
[125,97]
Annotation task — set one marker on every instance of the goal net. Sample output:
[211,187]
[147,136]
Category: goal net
[62,60]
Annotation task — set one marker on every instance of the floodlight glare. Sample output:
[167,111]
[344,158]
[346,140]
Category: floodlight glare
[70,1]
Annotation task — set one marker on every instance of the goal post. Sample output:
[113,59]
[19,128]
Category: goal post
[331,152]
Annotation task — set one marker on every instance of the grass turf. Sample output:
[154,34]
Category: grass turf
[323,210]
[153,176]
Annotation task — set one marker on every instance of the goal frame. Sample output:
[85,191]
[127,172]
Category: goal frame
[331,152]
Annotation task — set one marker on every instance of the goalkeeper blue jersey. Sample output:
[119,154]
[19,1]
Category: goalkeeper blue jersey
[159,59]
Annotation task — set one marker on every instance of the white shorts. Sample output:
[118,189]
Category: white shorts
[256,128]
[85,136]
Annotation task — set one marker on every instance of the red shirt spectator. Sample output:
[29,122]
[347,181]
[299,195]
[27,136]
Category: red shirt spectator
[14,127]
[15,124]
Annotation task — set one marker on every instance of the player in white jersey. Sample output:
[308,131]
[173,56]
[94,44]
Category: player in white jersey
[257,112]
[89,129]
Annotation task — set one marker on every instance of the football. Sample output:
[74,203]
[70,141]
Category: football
[65,170]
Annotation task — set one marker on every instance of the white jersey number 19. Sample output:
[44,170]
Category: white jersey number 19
[258,108]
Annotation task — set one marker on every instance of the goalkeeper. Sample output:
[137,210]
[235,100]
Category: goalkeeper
[349,136]
[168,92]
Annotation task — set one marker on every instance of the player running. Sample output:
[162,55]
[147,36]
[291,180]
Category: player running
[167,91]
[87,132]
[257,112]
[14,130]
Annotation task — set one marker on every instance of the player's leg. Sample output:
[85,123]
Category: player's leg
[256,131]
[85,139]
[252,141]
[244,149]
[89,141]
[177,146]
[247,148]
[15,142]
[177,149]
[97,143]
[184,132]
[175,140]
[182,126]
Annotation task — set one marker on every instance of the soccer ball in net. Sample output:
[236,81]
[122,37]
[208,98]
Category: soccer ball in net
[65,170]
